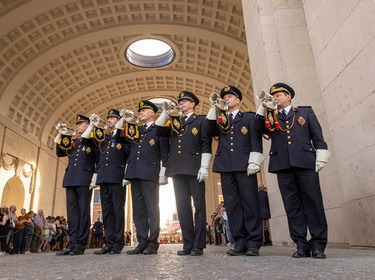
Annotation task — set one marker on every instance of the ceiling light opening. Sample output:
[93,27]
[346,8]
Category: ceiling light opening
[149,53]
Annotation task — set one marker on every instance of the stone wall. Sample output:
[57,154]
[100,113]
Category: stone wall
[309,45]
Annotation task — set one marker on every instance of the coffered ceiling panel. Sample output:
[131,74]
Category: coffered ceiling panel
[67,57]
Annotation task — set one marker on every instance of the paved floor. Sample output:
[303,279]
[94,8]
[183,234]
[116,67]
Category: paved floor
[274,263]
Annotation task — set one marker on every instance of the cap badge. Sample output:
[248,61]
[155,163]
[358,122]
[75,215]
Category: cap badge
[78,118]
[182,94]
[301,121]
[111,112]
[226,88]
[141,104]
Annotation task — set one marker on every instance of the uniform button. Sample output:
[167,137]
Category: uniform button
[287,126]
[287,121]
[139,146]
[106,164]
[310,149]
[231,138]
[271,153]
[179,146]
[182,129]
[75,164]
[179,152]
[140,141]
[77,154]
[139,152]
[289,142]
[141,135]
[231,144]
[231,150]
[197,154]
[288,131]
[107,152]
[76,159]
[106,158]
[288,137]
[179,141]
[231,132]
[137,158]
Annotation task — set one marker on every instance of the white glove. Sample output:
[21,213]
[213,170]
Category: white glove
[163,180]
[124,181]
[203,171]
[322,157]
[93,181]
[163,119]
[211,115]
[87,132]
[57,138]
[120,123]
[255,160]
[268,104]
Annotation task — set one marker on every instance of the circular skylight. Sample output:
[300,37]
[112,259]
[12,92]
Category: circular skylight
[149,53]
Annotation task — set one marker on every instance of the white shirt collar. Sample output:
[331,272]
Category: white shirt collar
[188,115]
[234,113]
[149,124]
[287,109]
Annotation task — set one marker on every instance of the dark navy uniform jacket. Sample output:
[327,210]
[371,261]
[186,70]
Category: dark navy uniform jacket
[186,149]
[112,159]
[296,146]
[145,155]
[81,165]
[234,147]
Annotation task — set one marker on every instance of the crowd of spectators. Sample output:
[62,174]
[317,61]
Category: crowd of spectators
[31,232]
[218,232]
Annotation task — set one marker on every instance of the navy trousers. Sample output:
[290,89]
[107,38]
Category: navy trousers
[113,207]
[303,202]
[146,213]
[242,204]
[78,209]
[185,188]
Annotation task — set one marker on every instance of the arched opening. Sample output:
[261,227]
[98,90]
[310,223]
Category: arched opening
[14,193]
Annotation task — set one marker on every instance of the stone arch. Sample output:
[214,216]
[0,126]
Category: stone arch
[13,193]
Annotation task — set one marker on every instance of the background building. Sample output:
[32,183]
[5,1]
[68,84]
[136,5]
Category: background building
[61,58]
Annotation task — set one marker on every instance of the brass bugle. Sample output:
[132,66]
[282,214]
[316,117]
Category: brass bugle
[263,96]
[98,122]
[218,102]
[129,116]
[64,129]
[172,109]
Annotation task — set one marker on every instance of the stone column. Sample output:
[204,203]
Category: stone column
[280,51]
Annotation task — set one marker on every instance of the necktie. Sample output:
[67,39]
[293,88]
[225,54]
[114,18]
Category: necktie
[231,117]
[145,127]
[284,113]
[184,118]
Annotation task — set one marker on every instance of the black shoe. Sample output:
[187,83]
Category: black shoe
[184,252]
[318,254]
[236,251]
[301,254]
[252,252]
[115,251]
[104,250]
[76,252]
[136,251]
[196,252]
[64,252]
[150,251]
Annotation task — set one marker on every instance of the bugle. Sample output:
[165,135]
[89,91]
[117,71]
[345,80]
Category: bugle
[172,109]
[129,116]
[98,122]
[64,129]
[218,102]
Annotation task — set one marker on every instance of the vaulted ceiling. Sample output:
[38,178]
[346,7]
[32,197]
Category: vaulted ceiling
[66,57]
